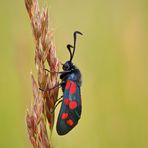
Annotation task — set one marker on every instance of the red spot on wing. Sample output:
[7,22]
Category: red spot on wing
[64,116]
[72,104]
[69,122]
[73,88]
[67,84]
[66,101]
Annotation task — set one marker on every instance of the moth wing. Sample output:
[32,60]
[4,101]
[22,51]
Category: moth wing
[70,111]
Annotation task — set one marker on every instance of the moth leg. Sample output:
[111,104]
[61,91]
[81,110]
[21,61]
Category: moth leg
[59,99]
[45,90]
[56,104]
[60,72]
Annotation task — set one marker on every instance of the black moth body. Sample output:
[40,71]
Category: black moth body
[70,111]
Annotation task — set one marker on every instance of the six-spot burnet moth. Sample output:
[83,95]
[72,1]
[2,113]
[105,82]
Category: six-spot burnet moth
[70,111]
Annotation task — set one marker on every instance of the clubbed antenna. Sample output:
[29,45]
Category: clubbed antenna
[74,46]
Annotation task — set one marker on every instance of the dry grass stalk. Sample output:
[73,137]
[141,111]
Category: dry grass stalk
[43,101]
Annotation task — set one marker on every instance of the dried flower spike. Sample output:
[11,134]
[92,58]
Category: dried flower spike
[44,101]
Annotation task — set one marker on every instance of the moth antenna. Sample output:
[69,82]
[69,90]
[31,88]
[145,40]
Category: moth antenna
[74,47]
[69,49]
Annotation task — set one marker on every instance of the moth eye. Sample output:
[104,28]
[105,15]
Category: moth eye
[66,67]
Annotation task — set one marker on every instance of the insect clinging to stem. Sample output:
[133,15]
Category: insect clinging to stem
[70,111]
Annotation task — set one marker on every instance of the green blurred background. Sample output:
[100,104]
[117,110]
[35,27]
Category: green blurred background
[112,56]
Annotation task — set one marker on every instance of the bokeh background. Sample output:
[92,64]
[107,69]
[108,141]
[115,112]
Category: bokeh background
[112,56]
